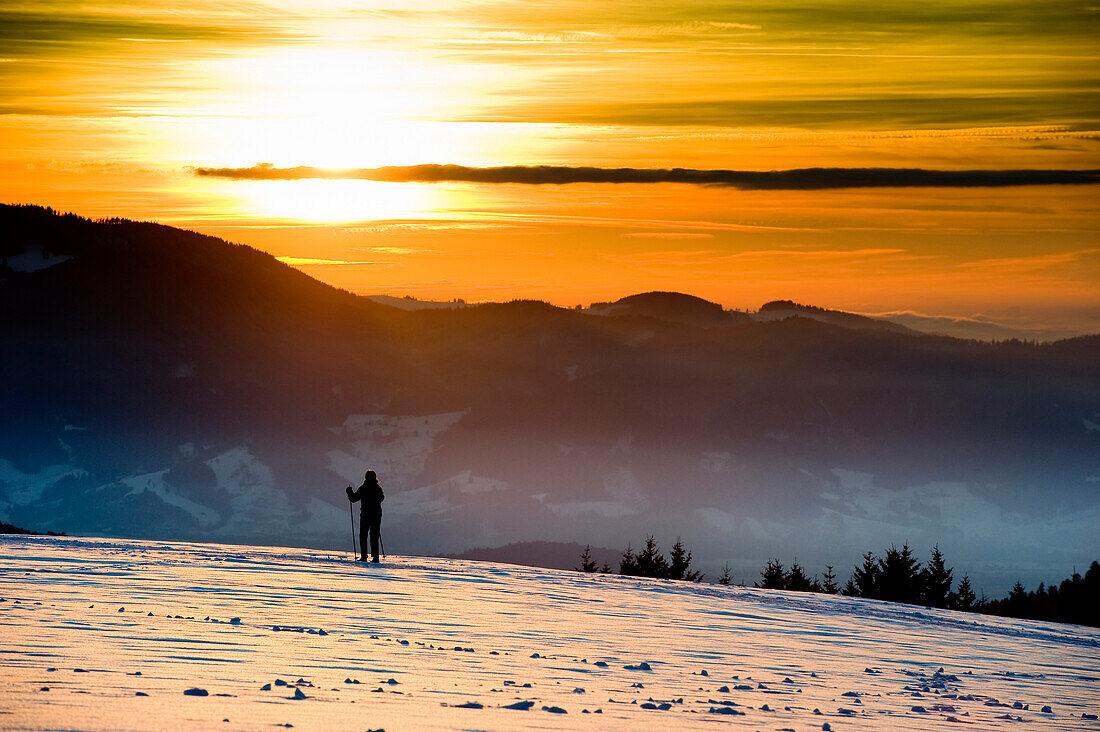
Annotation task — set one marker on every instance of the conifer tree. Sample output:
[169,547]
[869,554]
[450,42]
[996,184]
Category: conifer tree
[679,565]
[899,576]
[936,580]
[964,595]
[773,577]
[796,579]
[865,579]
[588,564]
[628,565]
[830,585]
[651,563]
[725,578]
[679,560]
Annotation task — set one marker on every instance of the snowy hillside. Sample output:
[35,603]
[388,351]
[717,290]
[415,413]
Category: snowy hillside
[116,635]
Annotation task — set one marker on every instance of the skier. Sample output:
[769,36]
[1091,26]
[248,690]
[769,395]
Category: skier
[370,513]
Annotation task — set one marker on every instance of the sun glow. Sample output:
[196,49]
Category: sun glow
[107,108]
[335,107]
[319,201]
[331,107]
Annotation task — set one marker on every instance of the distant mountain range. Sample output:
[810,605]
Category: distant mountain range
[163,384]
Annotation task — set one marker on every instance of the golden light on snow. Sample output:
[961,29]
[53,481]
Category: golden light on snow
[438,644]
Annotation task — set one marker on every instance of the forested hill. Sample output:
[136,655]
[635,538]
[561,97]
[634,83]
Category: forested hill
[170,384]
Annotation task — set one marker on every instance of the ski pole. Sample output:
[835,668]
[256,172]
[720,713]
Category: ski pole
[382,543]
[351,511]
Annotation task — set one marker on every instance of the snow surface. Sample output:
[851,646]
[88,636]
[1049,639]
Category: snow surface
[34,259]
[111,634]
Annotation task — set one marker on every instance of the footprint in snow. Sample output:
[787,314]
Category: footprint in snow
[195,691]
[522,706]
[643,666]
[554,710]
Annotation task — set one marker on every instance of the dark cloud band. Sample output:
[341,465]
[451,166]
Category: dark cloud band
[799,179]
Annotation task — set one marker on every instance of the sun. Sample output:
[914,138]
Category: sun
[320,201]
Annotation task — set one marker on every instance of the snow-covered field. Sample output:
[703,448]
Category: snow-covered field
[111,634]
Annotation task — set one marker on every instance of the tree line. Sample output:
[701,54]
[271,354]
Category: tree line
[896,576]
[649,562]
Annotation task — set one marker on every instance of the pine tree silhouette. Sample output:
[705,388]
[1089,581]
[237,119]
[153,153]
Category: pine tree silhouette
[773,577]
[588,564]
[899,576]
[628,565]
[725,578]
[830,585]
[679,565]
[651,563]
[796,579]
[964,595]
[864,581]
[936,581]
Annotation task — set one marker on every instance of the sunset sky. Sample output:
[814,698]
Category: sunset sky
[188,114]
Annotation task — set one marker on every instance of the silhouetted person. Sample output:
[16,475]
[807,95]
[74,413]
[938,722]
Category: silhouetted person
[370,513]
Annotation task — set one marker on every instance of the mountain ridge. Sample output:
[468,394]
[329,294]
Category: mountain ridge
[172,385]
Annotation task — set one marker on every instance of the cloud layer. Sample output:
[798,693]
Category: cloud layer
[796,179]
